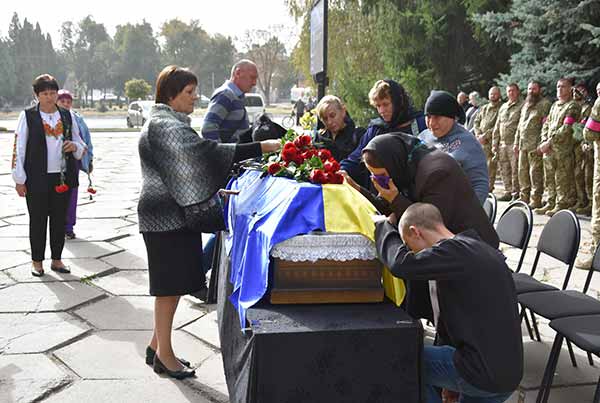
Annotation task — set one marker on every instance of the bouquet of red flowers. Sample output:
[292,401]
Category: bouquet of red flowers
[299,159]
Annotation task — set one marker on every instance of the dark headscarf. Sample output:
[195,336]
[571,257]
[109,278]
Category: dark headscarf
[442,103]
[403,111]
[400,154]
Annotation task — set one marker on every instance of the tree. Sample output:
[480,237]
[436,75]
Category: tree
[549,38]
[266,50]
[220,58]
[137,89]
[8,74]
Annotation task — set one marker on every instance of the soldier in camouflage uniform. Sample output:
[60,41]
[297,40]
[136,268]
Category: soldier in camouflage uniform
[485,120]
[557,147]
[503,139]
[584,155]
[591,134]
[527,138]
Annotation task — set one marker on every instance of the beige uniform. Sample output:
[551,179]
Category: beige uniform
[591,133]
[527,139]
[485,120]
[503,139]
[559,162]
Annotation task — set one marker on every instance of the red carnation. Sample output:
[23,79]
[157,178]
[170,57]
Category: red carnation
[324,154]
[289,154]
[289,145]
[331,166]
[62,188]
[274,168]
[91,190]
[335,178]
[318,176]
[299,159]
[303,141]
[308,154]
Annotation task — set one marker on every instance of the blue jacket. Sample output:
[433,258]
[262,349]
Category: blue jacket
[352,164]
[467,151]
[84,132]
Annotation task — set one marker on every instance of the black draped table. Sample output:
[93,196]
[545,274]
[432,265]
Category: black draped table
[330,353]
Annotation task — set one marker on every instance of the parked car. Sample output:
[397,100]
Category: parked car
[138,113]
[255,105]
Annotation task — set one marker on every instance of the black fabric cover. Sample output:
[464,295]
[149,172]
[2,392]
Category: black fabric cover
[560,237]
[583,331]
[525,283]
[559,304]
[513,228]
[319,353]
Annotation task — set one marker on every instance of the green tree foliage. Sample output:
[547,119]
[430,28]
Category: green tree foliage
[549,38]
[137,89]
[217,65]
[8,74]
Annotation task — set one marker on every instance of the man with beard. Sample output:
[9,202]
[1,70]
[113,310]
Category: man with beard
[485,120]
[503,139]
[527,138]
[584,154]
[557,147]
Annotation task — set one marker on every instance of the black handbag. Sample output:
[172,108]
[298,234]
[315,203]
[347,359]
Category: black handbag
[207,217]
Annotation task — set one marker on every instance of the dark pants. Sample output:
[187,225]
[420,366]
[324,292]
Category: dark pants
[72,205]
[42,205]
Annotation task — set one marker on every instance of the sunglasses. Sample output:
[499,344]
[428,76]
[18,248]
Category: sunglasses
[382,180]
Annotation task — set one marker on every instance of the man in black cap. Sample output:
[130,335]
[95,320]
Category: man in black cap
[445,130]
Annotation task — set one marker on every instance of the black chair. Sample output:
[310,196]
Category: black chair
[514,228]
[559,239]
[490,206]
[583,331]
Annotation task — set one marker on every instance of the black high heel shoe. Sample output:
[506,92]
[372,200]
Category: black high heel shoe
[160,368]
[150,353]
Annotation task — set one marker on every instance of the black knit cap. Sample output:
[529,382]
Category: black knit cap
[442,103]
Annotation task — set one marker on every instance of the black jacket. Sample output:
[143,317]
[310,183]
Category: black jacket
[477,299]
[344,143]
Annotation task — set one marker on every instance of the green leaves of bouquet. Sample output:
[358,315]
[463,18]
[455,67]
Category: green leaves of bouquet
[299,159]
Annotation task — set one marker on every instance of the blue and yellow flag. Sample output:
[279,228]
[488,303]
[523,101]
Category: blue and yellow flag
[270,210]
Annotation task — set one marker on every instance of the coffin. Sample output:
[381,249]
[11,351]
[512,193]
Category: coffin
[321,268]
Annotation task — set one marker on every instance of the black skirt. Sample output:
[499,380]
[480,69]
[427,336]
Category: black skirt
[174,262]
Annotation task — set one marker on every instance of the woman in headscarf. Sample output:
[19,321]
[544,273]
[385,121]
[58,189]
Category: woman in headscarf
[396,114]
[404,171]
[182,173]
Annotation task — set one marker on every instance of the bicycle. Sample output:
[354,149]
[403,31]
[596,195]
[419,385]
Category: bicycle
[289,121]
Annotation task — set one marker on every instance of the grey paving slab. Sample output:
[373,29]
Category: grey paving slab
[121,354]
[211,373]
[5,281]
[21,219]
[130,282]
[569,394]
[37,332]
[14,244]
[88,249]
[127,260]
[132,243]
[157,390]
[135,313]
[11,231]
[80,268]
[107,211]
[28,377]
[206,328]
[46,297]
[11,259]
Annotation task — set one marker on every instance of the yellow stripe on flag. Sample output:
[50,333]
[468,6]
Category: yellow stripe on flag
[347,210]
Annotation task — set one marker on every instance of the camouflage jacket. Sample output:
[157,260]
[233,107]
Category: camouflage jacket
[485,120]
[506,124]
[592,125]
[558,128]
[529,129]
[578,127]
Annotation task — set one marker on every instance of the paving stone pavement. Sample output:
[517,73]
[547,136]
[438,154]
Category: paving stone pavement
[82,336]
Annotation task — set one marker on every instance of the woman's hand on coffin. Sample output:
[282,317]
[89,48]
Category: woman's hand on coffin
[349,179]
[270,146]
[388,194]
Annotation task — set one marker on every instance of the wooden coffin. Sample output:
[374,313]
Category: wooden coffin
[325,280]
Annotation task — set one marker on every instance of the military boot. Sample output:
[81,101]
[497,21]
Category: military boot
[584,263]
[585,210]
[535,204]
[555,210]
[526,200]
[505,197]
[544,208]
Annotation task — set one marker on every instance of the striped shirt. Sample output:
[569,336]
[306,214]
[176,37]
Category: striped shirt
[226,118]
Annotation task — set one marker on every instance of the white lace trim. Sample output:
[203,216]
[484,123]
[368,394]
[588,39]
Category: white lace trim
[328,246]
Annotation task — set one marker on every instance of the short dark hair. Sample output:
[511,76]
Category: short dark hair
[171,81]
[536,82]
[514,85]
[371,159]
[422,215]
[568,80]
[43,83]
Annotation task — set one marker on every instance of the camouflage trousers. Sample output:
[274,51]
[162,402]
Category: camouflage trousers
[595,224]
[531,175]
[580,179]
[492,163]
[559,178]
[509,169]
[588,171]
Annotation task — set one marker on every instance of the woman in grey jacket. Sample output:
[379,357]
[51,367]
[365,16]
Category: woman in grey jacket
[182,173]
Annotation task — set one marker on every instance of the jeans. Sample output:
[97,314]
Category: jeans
[207,253]
[441,373]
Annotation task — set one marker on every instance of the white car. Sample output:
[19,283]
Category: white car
[255,105]
[138,113]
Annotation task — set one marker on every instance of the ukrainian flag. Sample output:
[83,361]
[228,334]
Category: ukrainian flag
[268,210]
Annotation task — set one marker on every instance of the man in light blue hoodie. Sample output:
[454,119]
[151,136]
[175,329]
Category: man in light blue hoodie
[445,131]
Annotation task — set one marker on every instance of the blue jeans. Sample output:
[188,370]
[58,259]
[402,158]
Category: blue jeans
[207,253]
[441,373]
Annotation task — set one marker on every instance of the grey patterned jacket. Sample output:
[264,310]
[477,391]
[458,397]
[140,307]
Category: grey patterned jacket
[180,170]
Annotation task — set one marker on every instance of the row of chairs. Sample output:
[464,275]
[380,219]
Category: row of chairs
[574,315]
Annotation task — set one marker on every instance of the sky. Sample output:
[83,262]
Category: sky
[228,17]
